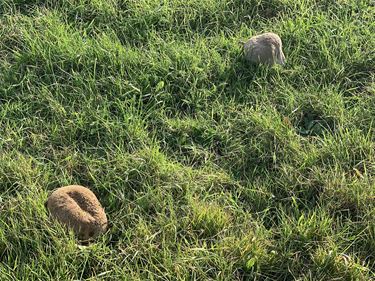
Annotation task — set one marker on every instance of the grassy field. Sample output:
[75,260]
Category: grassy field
[209,168]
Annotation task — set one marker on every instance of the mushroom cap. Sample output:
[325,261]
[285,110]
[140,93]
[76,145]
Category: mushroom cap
[265,48]
[78,208]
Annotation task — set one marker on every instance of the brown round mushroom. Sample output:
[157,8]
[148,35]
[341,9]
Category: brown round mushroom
[78,208]
[265,48]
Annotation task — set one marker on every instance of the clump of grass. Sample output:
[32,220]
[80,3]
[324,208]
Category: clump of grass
[339,265]
[208,219]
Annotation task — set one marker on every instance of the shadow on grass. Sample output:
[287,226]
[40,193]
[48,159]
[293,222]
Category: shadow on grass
[314,123]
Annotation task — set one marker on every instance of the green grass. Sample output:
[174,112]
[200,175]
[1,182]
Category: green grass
[208,168]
